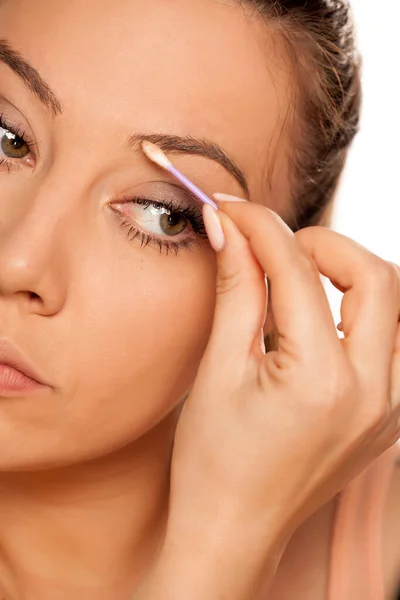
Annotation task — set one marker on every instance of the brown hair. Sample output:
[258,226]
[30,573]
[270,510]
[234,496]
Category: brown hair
[319,36]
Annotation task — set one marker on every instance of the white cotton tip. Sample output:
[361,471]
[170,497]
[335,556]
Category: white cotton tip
[155,154]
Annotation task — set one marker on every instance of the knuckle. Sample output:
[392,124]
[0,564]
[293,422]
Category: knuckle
[377,415]
[342,388]
[302,235]
[396,268]
[261,214]
[385,275]
[307,265]
[336,386]
[227,281]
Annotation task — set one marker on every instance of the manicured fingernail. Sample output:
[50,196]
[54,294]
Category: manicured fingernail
[228,198]
[213,227]
[340,326]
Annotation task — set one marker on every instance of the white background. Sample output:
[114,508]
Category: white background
[368,201]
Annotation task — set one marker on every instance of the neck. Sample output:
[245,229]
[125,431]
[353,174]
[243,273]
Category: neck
[91,528]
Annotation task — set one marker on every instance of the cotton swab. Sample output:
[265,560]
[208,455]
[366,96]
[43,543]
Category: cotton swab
[156,155]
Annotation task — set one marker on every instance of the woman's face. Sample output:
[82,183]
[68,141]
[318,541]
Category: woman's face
[110,298]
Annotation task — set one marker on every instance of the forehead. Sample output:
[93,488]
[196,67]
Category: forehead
[198,67]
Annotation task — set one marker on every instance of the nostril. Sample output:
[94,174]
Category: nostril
[34,296]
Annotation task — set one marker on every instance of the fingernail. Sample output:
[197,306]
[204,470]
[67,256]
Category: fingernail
[213,227]
[228,198]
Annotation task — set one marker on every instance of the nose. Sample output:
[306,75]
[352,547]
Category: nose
[32,269]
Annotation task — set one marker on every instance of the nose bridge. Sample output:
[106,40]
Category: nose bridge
[35,229]
[33,248]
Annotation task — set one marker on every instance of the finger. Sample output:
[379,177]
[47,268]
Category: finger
[300,308]
[395,372]
[241,297]
[269,324]
[395,369]
[371,303]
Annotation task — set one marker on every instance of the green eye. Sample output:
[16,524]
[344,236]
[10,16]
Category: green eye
[173,223]
[11,145]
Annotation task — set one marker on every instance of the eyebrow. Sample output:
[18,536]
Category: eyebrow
[31,77]
[173,144]
[189,145]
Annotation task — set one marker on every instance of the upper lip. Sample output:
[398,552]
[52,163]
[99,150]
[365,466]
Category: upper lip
[12,356]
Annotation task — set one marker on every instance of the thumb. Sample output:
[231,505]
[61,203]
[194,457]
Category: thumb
[241,297]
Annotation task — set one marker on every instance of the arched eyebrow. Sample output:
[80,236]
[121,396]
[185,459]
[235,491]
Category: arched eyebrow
[30,76]
[175,144]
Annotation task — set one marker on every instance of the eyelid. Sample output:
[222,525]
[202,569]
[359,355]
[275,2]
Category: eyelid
[19,123]
[186,194]
[16,130]
[162,191]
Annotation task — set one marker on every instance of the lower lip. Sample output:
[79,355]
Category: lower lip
[12,380]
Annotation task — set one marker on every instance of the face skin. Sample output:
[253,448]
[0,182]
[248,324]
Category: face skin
[117,329]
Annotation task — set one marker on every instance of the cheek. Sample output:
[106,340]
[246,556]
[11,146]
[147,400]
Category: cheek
[13,206]
[140,343]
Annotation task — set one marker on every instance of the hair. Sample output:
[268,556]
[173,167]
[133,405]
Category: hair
[320,39]
[319,36]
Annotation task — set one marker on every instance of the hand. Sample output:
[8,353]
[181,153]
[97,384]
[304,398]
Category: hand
[265,439]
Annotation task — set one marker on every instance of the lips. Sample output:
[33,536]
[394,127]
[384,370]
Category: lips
[15,367]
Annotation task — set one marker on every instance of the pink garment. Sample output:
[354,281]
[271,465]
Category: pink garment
[356,554]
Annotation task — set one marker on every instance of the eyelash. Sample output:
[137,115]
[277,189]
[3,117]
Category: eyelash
[168,246]
[145,239]
[20,134]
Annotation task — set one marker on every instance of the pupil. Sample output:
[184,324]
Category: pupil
[173,224]
[174,219]
[14,147]
[17,143]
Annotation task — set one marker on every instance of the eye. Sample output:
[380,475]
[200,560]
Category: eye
[166,225]
[173,223]
[14,145]
[158,220]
